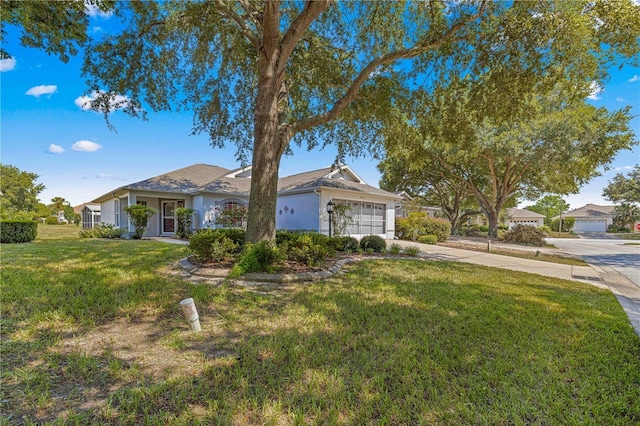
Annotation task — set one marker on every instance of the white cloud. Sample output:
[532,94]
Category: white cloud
[108,176]
[93,11]
[618,169]
[7,64]
[595,90]
[55,149]
[634,78]
[38,91]
[620,99]
[86,146]
[84,102]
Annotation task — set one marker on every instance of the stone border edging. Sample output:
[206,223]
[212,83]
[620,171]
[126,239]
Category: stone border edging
[271,278]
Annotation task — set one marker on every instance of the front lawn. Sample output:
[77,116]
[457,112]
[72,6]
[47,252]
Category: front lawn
[92,332]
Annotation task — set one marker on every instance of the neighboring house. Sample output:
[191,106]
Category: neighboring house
[405,199]
[591,218]
[61,218]
[90,215]
[301,203]
[524,217]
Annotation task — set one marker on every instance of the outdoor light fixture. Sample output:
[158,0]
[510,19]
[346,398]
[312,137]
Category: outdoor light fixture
[330,211]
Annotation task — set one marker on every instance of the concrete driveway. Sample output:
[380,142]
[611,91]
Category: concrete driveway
[618,266]
[604,251]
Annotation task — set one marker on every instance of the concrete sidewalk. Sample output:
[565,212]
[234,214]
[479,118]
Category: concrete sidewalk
[627,293]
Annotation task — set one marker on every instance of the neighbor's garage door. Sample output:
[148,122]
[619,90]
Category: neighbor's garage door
[590,226]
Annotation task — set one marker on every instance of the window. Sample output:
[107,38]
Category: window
[231,214]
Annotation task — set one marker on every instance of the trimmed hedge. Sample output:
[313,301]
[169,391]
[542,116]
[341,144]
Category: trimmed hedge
[373,242]
[428,239]
[18,231]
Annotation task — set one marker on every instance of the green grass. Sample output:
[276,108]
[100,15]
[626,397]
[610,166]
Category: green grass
[629,236]
[57,232]
[92,333]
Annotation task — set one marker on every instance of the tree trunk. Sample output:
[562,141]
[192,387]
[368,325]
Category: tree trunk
[268,147]
[492,217]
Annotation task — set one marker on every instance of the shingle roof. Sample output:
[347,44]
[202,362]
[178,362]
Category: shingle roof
[522,213]
[318,179]
[185,180]
[591,210]
[206,178]
[240,186]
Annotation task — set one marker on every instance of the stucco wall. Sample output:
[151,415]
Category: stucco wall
[298,211]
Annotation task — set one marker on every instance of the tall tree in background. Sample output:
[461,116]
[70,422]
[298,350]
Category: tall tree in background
[624,189]
[556,148]
[19,190]
[425,182]
[550,205]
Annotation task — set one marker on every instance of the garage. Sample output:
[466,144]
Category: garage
[590,226]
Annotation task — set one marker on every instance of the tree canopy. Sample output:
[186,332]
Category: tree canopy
[19,190]
[58,27]
[624,189]
[556,148]
[262,74]
[550,205]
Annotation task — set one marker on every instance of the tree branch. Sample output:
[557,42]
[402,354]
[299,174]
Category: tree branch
[357,83]
[298,27]
[226,11]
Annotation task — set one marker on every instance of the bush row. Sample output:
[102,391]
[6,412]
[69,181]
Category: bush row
[18,231]
[307,248]
[105,230]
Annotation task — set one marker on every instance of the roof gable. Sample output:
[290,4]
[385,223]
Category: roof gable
[184,180]
[515,213]
[592,210]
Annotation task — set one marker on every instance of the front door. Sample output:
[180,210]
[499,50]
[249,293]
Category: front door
[168,217]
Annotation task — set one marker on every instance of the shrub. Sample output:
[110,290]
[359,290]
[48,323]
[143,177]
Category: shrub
[395,248]
[419,223]
[618,229]
[223,249]
[524,234]
[139,215]
[18,231]
[184,217]
[307,251]
[373,242]
[483,228]
[259,257]
[412,250]
[51,220]
[102,231]
[210,245]
[237,235]
[233,216]
[546,229]
[427,239]
[350,244]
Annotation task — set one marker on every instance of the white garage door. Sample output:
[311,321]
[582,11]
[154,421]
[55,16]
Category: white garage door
[590,226]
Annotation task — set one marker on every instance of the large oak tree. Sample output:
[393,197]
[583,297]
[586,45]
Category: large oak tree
[261,74]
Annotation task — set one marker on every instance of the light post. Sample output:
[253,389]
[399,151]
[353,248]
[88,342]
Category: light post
[330,211]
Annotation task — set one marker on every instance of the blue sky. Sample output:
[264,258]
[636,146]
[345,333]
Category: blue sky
[44,130]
